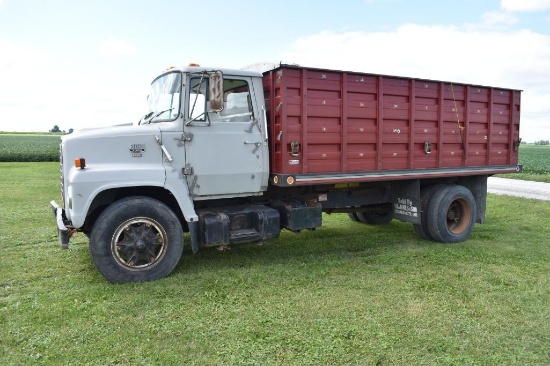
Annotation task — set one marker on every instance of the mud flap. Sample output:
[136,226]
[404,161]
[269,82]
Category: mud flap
[478,186]
[406,200]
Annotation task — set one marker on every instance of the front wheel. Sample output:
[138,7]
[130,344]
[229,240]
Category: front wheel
[136,239]
[451,214]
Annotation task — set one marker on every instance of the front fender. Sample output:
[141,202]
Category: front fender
[177,184]
[85,184]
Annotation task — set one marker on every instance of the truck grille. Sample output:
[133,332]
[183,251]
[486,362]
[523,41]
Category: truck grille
[61,174]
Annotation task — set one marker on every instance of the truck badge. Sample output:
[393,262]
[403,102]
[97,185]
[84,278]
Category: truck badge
[137,150]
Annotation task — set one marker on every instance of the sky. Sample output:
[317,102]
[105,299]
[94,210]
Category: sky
[81,64]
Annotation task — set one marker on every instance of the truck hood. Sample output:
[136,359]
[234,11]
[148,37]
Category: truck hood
[113,145]
[112,128]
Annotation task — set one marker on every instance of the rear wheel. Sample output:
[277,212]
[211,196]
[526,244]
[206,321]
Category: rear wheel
[136,239]
[379,216]
[353,216]
[451,214]
[426,194]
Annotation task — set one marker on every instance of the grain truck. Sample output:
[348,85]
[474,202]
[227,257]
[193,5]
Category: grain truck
[230,156]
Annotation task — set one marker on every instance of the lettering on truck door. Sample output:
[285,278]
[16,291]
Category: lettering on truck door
[224,150]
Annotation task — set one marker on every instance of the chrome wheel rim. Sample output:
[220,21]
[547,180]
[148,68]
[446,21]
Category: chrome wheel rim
[139,243]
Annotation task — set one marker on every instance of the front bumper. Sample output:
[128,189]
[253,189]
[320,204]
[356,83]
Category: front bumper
[63,233]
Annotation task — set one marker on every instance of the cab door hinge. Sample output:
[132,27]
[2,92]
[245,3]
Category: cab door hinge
[187,136]
[187,169]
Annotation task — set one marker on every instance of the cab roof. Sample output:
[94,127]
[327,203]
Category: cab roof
[199,69]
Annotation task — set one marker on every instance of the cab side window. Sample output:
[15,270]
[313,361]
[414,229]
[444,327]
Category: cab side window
[237,101]
[237,105]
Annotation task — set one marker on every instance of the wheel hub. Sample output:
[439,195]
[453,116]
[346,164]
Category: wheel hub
[451,215]
[458,216]
[139,243]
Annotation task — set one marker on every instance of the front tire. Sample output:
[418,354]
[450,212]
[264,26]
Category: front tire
[451,214]
[136,239]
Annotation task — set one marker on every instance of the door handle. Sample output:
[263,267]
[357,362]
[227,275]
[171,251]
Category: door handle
[168,156]
[257,143]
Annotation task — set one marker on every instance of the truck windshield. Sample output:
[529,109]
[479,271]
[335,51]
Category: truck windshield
[164,98]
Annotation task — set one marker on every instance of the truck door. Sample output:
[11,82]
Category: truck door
[226,151]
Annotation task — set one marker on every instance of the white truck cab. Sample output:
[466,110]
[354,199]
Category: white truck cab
[204,137]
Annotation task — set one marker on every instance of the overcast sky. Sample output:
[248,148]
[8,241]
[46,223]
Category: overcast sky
[89,63]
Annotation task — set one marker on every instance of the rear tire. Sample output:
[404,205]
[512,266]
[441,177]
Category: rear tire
[451,214]
[426,194]
[379,216]
[136,239]
[353,216]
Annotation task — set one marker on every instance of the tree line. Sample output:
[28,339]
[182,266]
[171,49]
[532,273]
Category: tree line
[56,128]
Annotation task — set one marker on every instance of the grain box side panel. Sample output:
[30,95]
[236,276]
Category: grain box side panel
[355,122]
[361,108]
[285,117]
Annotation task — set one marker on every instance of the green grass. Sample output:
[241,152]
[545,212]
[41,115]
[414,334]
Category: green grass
[343,294]
[30,133]
[536,164]
[29,147]
[536,159]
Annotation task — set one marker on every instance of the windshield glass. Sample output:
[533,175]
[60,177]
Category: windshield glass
[164,97]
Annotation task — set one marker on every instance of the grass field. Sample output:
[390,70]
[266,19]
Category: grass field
[536,163]
[29,147]
[343,294]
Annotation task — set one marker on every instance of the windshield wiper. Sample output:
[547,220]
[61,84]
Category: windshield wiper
[145,116]
[158,114]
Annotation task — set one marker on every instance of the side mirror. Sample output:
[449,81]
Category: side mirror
[215,92]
